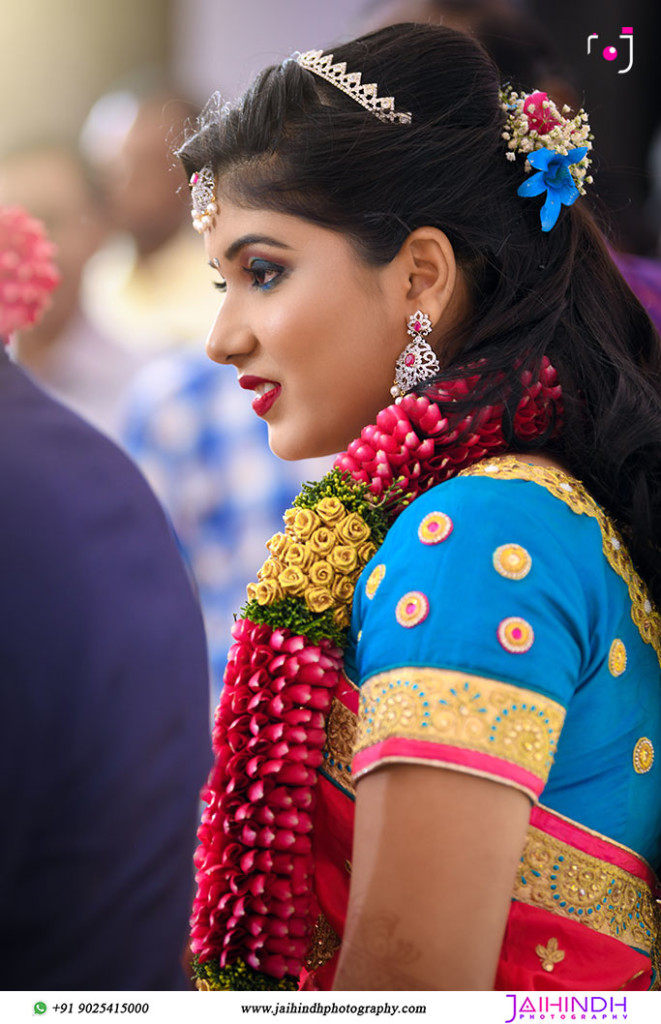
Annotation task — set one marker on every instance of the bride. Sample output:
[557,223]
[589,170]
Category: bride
[436,745]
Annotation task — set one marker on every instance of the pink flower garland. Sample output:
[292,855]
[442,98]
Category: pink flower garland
[27,272]
[256,874]
[255,902]
[391,451]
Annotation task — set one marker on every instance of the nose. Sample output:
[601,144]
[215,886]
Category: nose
[229,338]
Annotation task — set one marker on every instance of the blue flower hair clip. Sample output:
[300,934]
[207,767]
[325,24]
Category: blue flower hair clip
[555,147]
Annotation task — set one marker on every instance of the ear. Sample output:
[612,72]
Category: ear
[427,259]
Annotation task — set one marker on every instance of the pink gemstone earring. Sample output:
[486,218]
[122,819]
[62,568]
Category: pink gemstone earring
[418,361]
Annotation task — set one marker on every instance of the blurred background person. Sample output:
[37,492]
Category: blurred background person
[201,448]
[146,284]
[76,361]
[104,739]
[200,445]
[206,454]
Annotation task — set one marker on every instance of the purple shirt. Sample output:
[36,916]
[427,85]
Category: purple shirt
[103,710]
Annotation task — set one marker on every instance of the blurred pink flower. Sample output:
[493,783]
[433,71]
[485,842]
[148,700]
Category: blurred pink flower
[27,272]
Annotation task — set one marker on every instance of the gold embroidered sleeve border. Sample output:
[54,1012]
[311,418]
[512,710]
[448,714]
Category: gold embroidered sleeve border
[464,711]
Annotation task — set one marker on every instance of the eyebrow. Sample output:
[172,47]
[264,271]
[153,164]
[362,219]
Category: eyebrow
[240,243]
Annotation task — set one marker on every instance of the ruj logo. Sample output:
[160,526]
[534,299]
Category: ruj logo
[610,53]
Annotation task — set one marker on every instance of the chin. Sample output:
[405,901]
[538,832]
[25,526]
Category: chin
[295,449]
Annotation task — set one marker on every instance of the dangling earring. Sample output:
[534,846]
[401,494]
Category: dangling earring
[418,361]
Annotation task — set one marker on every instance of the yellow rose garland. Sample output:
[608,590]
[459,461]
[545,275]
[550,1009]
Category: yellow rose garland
[319,558]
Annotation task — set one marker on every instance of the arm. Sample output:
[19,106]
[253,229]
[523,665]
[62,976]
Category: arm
[435,856]
[458,725]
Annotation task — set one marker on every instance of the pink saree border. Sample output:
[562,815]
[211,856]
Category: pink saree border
[473,762]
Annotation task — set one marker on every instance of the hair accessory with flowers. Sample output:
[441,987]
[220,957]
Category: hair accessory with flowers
[554,145]
[255,909]
[27,272]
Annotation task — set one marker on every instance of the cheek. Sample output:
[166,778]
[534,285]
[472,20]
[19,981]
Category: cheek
[298,334]
[279,322]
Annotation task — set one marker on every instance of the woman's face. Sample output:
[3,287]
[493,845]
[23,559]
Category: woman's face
[311,329]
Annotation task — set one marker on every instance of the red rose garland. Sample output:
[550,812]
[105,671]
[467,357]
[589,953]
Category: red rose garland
[256,875]
[255,907]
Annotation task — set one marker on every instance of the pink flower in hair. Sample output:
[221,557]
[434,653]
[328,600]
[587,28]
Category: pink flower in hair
[541,113]
[27,272]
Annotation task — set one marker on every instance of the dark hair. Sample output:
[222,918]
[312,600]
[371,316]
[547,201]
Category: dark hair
[519,43]
[296,144]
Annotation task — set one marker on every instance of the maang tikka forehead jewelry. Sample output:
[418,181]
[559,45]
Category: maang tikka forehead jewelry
[203,195]
[418,361]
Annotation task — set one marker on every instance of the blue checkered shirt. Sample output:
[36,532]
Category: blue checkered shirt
[193,433]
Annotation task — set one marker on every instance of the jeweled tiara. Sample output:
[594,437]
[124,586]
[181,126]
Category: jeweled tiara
[382,107]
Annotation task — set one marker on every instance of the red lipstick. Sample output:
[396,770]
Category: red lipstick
[261,403]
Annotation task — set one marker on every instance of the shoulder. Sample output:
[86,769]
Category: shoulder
[45,445]
[491,574]
[502,502]
[92,582]
[74,493]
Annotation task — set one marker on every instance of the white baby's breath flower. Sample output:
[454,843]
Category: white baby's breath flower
[544,126]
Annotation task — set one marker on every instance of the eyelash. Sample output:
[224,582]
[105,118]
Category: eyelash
[264,267]
[257,268]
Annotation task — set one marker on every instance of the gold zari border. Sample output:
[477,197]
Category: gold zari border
[341,728]
[324,945]
[570,490]
[555,876]
[461,710]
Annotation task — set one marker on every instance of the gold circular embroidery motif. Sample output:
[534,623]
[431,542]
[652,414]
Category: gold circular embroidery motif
[516,635]
[435,527]
[412,609]
[512,561]
[341,729]
[617,658]
[643,755]
[375,580]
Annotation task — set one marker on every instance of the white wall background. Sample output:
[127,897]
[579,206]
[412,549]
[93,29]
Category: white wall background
[222,44]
